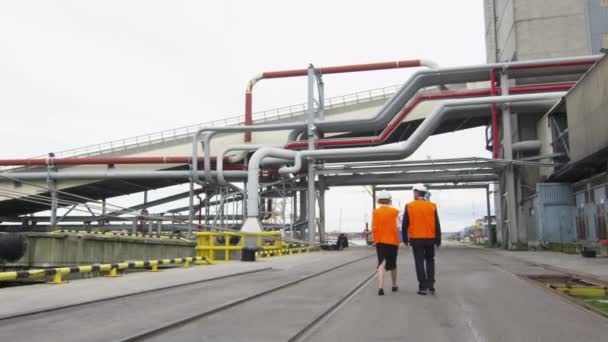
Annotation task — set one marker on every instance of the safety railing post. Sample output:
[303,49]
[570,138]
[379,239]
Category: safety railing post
[57,279]
[227,245]
[113,273]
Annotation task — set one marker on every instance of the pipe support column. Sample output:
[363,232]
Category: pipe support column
[489,235]
[311,165]
[52,185]
[509,173]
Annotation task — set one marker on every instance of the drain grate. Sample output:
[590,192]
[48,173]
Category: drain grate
[589,294]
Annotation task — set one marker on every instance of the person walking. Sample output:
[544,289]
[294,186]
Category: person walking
[421,229]
[386,239]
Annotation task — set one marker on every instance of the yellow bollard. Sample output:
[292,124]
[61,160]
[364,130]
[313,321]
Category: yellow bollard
[113,273]
[154,267]
[57,279]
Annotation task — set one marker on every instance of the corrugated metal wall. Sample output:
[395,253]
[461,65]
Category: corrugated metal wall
[597,15]
[555,213]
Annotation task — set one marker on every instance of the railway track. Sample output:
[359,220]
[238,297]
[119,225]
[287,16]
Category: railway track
[170,330]
[124,296]
[159,313]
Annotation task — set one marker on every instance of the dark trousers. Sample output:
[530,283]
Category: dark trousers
[424,257]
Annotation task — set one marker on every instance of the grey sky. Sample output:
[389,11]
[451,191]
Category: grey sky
[74,73]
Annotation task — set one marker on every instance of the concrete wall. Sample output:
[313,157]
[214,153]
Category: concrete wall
[587,107]
[532,29]
[504,25]
[53,250]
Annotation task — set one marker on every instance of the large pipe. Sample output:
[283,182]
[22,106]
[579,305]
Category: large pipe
[390,151]
[212,131]
[323,70]
[388,130]
[239,147]
[526,146]
[416,82]
[99,161]
[426,128]
[425,78]
[101,175]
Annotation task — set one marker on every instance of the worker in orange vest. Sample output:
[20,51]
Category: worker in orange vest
[421,229]
[386,239]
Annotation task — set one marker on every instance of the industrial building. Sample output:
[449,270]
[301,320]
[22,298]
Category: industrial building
[562,200]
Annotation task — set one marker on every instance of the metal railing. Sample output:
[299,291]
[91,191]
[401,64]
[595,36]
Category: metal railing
[109,270]
[215,246]
[259,117]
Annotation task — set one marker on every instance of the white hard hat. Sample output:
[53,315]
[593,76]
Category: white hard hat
[384,195]
[419,187]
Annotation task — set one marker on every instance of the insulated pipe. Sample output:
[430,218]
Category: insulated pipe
[426,128]
[98,161]
[351,141]
[239,147]
[416,82]
[101,175]
[385,134]
[421,78]
[253,179]
[424,78]
[323,70]
[211,131]
[526,146]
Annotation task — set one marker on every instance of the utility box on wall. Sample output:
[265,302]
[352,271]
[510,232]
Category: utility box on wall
[555,213]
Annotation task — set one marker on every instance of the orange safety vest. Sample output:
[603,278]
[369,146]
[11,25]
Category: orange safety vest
[421,216]
[384,225]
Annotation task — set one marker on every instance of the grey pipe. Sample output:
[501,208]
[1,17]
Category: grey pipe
[425,78]
[526,146]
[426,128]
[417,81]
[396,150]
[212,131]
[239,147]
[255,161]
[101,175]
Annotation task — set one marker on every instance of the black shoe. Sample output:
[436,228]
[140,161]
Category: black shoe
[421,292]
[380,292]
[395,288]
[432,291]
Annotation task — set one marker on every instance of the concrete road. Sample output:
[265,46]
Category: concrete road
[479,298]
[115,319]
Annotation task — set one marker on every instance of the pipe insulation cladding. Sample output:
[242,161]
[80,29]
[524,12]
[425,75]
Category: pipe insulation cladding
[398,150]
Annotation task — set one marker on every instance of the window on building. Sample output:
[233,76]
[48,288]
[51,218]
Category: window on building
[606,39]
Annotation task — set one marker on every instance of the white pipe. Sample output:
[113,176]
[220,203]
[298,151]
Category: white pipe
[427,127]
[253,179]
[237,147]
[395,150]
[100,175]
[526,146]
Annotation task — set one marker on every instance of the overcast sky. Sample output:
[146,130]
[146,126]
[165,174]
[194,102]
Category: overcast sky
[74,73]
